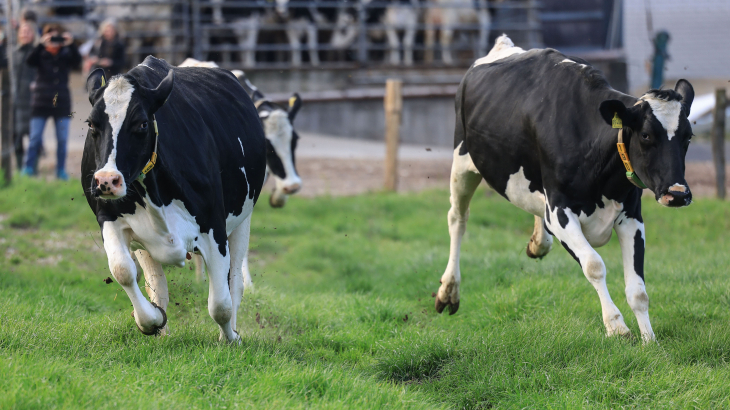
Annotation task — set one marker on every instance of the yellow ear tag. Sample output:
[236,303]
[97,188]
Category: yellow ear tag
[292,100]
[103,82]
[616,121]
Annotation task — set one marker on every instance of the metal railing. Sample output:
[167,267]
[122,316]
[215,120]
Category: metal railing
[175,29]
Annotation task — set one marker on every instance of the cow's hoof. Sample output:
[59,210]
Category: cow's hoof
[277,199]
[235,341]
[440,306]
[157,330]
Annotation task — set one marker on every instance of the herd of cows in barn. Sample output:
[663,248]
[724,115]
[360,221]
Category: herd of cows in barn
[572,151]
[397,32]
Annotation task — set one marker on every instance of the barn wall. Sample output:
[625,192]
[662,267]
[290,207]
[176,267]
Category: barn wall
[698,47]
[427,121]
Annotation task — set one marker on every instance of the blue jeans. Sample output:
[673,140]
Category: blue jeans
[37,124]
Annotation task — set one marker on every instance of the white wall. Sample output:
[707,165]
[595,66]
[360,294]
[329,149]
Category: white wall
[699,46]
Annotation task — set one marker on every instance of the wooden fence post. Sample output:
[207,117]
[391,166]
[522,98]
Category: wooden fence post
[393,109]
[718,140]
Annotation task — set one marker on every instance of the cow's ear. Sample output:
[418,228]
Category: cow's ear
[684,88]
[159,95]
[94,82]
[295,103]
[612,108]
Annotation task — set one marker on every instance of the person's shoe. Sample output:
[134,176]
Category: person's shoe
[27,172]
[62,175]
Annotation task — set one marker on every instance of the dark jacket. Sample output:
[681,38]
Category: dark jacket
[24,75]
[113,50]
[50,96]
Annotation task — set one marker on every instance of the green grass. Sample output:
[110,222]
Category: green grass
[342,315]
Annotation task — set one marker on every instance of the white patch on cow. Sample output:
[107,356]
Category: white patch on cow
[191,62]
[567,60]
[117,96]
[518,192]
[597,228]
[243,169]
[279,132]
[503,47]
[667,112]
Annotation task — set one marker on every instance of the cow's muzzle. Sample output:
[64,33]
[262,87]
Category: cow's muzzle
[109,184]
[676,196]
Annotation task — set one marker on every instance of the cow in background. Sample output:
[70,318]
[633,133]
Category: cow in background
[445,15]
[397,16]
[281,143]
[245,25]
[549,134]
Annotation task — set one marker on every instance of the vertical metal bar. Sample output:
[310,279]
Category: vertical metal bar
[8,91]
[362,46]
[534,34]
[197,34]
[718,140]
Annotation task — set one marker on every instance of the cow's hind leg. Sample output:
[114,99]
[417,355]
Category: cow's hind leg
[199,267]
[155,282]
[541,242]
[464,181]
[238,243]
[564,224]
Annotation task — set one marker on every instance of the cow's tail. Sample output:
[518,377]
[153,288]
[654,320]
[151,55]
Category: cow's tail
[251,89]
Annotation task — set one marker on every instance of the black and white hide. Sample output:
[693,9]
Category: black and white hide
[537,126]
[189,189]
[281,143]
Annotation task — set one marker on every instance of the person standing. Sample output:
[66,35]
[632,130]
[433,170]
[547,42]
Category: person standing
[107,52]
[24,75]
[54,58]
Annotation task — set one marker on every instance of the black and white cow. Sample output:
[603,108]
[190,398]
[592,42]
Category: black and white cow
[155,196]
[537,126]
[281,143]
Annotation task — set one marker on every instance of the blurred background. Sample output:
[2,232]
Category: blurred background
[338,54]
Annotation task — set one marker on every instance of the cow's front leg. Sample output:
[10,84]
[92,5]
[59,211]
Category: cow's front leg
[149,318]
[564,224]
[220,305]
[155,282]
[631,236]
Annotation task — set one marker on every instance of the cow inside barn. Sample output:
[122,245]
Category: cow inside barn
[155,196]
[395,15]
[549,134]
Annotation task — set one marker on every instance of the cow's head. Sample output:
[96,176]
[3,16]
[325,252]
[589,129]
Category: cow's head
[121,132]
[657,134]
[281,142]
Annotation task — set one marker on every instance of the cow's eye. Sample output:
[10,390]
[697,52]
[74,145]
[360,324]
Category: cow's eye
[92,128]
[645,136]
[143,126]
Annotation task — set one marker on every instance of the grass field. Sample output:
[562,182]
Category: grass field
[342,315]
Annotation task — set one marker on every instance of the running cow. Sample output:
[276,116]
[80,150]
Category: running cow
[157,198]
[542,129]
